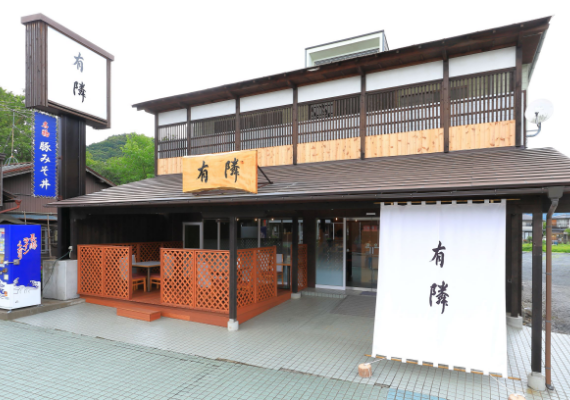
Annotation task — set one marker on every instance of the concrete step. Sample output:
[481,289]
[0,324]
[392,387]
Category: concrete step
[142,314]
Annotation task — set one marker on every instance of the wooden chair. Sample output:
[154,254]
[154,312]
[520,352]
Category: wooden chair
[138,278]
[155,280]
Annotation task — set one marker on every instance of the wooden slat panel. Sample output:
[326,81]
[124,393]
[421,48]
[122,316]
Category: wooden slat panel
[479,136]
[272,156]
[482,136]
[405,143]
[330,150]
[267,156]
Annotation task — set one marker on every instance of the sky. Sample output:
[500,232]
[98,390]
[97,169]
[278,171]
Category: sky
[172,47]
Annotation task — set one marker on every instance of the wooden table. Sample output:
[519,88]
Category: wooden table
[148,265]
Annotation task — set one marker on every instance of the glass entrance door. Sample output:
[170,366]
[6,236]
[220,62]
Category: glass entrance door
[329,253]
[362,244]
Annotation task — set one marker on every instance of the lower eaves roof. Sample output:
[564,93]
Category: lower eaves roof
[491,172]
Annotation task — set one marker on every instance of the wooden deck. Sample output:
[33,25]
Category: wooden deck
[146,306]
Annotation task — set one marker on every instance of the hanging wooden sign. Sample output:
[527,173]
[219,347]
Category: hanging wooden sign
[65,73]
[234,170]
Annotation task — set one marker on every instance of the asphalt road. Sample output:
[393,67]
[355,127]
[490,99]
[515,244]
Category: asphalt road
[560,290]
[560,268]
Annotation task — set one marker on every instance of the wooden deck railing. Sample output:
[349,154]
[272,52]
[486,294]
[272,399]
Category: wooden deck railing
[104,270]
[199,279]
[148,251]
[257,275]
[190,278]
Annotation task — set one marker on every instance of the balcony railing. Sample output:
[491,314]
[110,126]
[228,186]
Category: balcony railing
[476,99]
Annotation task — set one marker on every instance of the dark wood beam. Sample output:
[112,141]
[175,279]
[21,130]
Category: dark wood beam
[445,106]
[295,127]
[233,270]
[310,238]
[516,264]
[518,97]
[362,114]
[295,256]
[536,339]
[238,127]
[156,144]
[189,131]
[508,258]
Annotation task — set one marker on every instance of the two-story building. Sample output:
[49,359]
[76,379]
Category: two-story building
[360,124]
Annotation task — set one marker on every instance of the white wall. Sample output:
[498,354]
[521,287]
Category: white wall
[172,117]
[404,76]
[266,100]
[481,62]
[213,110]
[325,90]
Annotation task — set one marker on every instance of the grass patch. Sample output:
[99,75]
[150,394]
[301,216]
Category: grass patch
[556,248]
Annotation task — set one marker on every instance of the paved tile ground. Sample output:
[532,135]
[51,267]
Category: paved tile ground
[307,337]
[48,364]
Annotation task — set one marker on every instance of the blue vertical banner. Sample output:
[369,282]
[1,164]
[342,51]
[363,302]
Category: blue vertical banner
[44,182]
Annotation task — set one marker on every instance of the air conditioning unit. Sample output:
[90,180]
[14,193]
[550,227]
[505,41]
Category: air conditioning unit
[345,49]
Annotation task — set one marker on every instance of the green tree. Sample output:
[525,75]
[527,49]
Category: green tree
[13,109]
[135,163]
[108,148]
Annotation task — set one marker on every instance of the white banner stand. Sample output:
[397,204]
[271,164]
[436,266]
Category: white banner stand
[467,329]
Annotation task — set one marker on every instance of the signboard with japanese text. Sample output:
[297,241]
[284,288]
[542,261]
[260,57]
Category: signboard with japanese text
[20,275]
[77,76]
[44,180]
[234,170]
[441,296]
[65,73]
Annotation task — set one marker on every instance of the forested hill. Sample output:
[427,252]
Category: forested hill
[108,148]
[123,158]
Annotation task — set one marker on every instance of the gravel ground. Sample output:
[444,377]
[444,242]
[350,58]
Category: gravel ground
[560,290]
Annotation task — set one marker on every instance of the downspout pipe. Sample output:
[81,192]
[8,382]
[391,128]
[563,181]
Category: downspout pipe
[554,194]
[18,202]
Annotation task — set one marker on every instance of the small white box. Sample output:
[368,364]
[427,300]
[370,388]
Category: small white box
[62,284]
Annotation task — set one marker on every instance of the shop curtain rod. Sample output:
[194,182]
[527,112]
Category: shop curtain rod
[478,201]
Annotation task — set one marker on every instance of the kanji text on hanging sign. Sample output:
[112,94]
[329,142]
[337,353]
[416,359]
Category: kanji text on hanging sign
[234,170]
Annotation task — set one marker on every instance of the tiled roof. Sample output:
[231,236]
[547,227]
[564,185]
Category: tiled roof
[414,176]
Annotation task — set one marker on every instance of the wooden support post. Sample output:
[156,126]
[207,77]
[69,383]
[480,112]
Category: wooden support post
[363,116]
[518,98]
[310,238]
[233,269]
[445,106]
[71,171]
[238,128]
[536,351]
[73,234]
[516,265]
[508,259]
[295,256]
[295,127]
[189,132]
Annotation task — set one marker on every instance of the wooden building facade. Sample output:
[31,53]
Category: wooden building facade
[439,121]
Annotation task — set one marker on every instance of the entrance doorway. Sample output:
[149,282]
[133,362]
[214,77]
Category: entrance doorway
[193,235]
[347,253]
[361,248]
